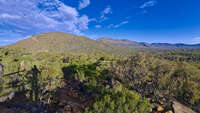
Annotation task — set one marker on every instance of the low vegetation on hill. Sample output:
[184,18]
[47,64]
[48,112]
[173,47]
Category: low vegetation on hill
[58,42]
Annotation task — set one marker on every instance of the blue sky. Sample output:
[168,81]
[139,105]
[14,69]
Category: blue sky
[170,21]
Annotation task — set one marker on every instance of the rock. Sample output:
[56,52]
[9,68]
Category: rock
[160,108]
[22,65]
[67,108]
[161,102]
[114,83]
[169,111]
[179,108]
[1,70]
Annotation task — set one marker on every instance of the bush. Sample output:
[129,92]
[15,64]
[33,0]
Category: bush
[125,101]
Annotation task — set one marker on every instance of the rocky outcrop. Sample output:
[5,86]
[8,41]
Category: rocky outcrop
[179,108]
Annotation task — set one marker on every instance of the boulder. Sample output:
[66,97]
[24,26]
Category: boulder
[179,108]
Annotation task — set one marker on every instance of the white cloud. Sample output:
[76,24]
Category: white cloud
[34,16]
[8,16]
[150,3]
[98,26]
[93,36]
[196,40]
[110,26]
[83,22]
[84,4]
[118,25]
[8,41]
[105,12]
[141,12]
[93,20]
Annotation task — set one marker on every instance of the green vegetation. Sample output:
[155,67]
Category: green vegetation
[114,84]
[154,77]
[67,43]
[180,55]
[123,101]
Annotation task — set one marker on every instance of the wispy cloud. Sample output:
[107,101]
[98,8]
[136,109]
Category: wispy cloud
[141,12]
[196,40]
[103,16]
[8,37]
[150,3]
[98,26]
[6,41]
[34,16]
[84,4]
[105,12]
[118,25]
[8,16]
[110,26]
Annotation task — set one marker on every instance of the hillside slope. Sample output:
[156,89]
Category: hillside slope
[66,43]
[121,43]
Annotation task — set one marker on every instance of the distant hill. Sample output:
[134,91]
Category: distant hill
[121,43]
[175,46]
[133,44]
[66,43]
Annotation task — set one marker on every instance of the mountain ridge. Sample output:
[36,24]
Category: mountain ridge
[65,43]
[135,44]
[60,42]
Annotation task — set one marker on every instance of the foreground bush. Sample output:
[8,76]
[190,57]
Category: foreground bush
[124,101]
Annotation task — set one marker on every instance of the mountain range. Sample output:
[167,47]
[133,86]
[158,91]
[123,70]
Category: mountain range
[59,42]
[133,44]
[63,42]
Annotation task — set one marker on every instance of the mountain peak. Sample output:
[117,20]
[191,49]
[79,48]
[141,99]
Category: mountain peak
[54,35]
[64,43]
